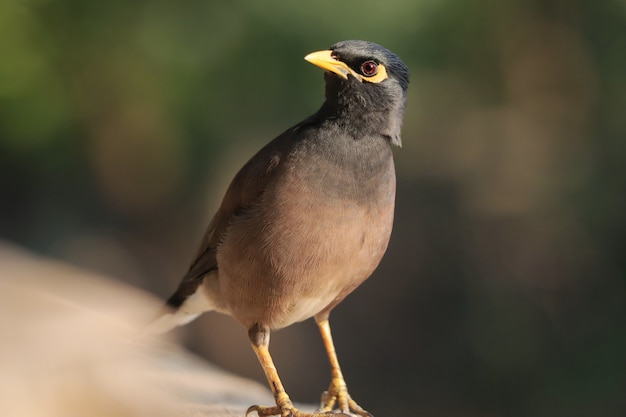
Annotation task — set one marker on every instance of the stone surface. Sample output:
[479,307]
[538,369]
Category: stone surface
[70,346]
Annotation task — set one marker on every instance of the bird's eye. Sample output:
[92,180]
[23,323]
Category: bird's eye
[369,68]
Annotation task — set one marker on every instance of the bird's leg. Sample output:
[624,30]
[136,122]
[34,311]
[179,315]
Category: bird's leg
[337,395]
[260,338]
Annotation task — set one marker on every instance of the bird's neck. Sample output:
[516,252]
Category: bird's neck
[361,116]
[359,122]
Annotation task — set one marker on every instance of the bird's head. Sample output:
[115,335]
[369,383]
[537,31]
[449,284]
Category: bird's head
[366,84]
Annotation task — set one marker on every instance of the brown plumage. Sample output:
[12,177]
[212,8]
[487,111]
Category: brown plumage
[308,218]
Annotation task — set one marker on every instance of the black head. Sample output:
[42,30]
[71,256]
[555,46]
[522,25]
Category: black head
[366,85]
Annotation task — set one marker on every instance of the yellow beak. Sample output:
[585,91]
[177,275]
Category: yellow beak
[325,60]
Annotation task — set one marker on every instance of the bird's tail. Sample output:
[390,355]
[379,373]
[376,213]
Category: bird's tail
[181,310]
[167,320]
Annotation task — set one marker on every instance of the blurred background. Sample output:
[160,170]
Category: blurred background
[503,292]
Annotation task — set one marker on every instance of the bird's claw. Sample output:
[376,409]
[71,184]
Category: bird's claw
[338,395]
[291,411]
[269,411]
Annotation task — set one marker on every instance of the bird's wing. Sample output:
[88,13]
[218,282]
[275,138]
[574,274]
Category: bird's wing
[245,189]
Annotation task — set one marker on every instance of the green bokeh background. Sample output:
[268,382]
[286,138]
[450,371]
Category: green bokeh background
[503,292]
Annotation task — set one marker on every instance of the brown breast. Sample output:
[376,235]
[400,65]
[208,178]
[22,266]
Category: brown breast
[318,231]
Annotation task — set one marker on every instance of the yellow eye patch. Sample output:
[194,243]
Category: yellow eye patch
[325,60]
[381,75]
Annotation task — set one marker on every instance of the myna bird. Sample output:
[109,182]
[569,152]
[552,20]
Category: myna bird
[307,219]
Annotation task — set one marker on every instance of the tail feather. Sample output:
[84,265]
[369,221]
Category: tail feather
[168,321]
[189,309]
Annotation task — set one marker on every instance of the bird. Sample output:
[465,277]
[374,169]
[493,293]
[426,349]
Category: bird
[307,219]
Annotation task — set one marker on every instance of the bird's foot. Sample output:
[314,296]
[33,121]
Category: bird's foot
[337,398]
[288,410]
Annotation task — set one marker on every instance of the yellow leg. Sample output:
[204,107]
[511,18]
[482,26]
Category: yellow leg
[260,337]
[337,394]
